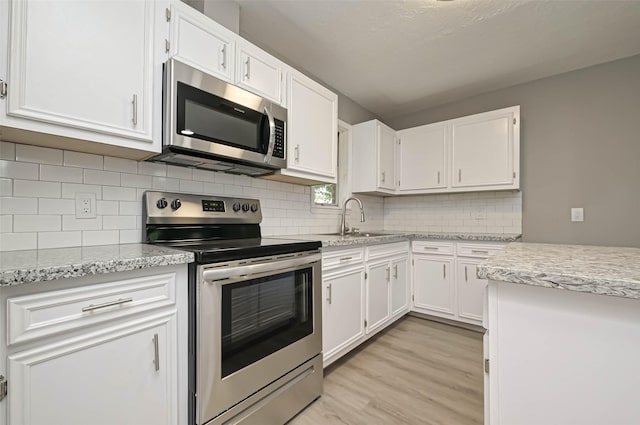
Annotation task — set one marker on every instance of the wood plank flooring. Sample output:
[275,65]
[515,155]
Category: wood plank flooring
[417,372]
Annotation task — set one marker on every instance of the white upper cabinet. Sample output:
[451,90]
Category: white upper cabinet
[259,72]
[484,148]
[83,70]
[422,158]
[312,132]
[201,42]
[373,161]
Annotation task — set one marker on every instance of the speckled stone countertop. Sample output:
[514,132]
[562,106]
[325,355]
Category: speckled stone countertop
[42,265]
[598,270]
[378,237]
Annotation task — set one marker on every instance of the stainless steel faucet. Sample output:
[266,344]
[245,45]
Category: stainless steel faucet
[343,226]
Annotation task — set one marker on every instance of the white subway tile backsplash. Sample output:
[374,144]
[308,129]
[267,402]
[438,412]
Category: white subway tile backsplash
[56,206]
[152,169]
[6,187]
[179,172]
[100,237]
[112,193]
[7,151]
[37,223]
[203,175]
[191,186]
[19,170]
[6,223]
[18,241]
[14,206]
[118,222]
[29,153]
[107,207]
[104,178]
[130,208]
[70,222]
[83,160]
[136,180]
[165,184]
[69,190]
[59,239]
[130,236]
[120,165]
[36,189]
[212,188]
[223,178]
[54,173]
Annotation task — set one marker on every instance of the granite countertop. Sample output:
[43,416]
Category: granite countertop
[18,267]
[386,237]
[598,270]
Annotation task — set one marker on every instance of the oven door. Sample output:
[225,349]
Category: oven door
[257,320]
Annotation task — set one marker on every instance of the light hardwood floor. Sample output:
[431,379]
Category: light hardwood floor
[417,372]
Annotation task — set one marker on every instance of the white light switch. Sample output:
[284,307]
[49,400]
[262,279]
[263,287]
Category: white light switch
[577,214]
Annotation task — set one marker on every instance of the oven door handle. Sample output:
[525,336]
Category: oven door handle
[247,271]
[272,135]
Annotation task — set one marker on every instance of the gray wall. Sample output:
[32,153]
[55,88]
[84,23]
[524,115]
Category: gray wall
[580,147]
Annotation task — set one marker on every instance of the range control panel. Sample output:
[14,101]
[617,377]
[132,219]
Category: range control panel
[170,207]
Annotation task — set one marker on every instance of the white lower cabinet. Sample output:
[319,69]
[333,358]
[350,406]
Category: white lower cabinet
[106,349]
[364,290]
[444,279]
[343,310]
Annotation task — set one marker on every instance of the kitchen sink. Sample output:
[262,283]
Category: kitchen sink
[358,235]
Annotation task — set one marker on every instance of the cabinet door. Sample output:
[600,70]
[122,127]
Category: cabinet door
[200,42]
[482,149]
[470,291]
[433,288]
[386,157]
[87,65]
[312,128]
[421,163]
[378,277]
[343,311]
[110,377]
[259,72]
[399,286]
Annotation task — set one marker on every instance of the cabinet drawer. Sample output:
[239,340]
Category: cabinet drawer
[478,250]
[342,257]
[386,250]
[35,316]
[430,247]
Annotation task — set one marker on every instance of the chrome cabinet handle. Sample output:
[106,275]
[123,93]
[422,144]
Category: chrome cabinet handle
[346,258]
[272,135]
[224,56]
[247,68]
[329,293]
[466,278]
[459,175]
[430,248]
[134,102]
[438,177]
[444,271]
[395,271]
[383,177]
[477,251]
[296,153]
[156,349]
[388,274]
[119,301]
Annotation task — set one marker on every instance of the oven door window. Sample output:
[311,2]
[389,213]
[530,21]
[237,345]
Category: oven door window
[261,316]
[205,116]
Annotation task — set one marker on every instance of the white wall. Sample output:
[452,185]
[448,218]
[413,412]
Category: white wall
[38,186]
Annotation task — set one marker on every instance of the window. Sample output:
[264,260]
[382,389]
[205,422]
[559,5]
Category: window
[328,196]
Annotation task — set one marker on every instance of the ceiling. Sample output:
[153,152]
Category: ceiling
[397,57]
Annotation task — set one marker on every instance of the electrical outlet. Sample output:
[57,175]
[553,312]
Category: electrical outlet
[577,214]
[85,205]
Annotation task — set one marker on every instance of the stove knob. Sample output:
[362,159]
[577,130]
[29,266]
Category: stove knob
[254,207]
[175,204]
[245,207]
[236,207]
[162,203]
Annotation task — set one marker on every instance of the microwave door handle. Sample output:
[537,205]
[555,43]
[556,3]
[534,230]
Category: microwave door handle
[272,135]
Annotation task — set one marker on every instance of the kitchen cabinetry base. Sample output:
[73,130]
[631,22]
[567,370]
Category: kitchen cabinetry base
[445,321]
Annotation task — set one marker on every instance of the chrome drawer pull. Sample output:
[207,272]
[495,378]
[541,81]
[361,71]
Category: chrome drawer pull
[156,350]
[346,258]
[430,248]
[91,307]
[477,251]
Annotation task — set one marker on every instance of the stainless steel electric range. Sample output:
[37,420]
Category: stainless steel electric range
[255,337]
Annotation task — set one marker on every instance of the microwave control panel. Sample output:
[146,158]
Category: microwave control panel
[278,146]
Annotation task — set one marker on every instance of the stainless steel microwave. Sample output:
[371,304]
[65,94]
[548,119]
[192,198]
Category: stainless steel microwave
[211,124]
